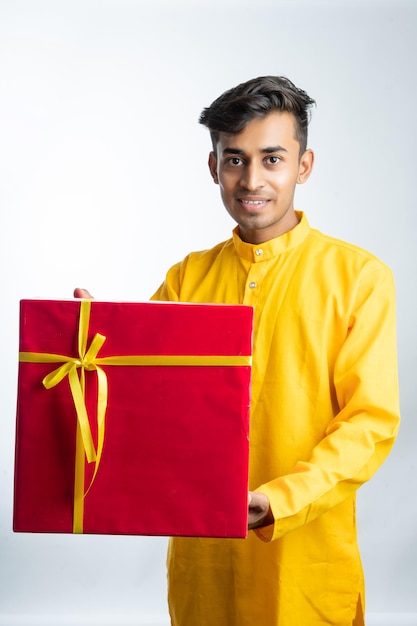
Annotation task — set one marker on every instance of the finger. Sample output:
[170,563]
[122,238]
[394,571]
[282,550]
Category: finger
[82,293]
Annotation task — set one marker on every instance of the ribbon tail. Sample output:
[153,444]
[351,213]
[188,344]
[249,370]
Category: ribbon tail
[79,402]
[101,414]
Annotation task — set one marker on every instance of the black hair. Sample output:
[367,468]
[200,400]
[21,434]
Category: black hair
[254,99]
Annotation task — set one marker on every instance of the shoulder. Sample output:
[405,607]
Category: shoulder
[210,253]
[343,254]
[333,268]
[204,258]
[188,273]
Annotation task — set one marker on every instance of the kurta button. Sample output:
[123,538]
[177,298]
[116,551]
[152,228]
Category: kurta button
[259,252]
[252,285]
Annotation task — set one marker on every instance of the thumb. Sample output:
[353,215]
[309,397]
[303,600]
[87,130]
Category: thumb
[82,293]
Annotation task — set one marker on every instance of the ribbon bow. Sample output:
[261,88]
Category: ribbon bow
[86,360]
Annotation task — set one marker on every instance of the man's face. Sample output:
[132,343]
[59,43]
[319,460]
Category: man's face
[257,171]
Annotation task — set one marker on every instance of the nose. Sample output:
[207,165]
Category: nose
[252,177]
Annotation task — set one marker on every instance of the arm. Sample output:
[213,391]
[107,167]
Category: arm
[360,436]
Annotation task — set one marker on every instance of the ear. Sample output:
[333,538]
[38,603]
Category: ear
[306,166]
[212,163]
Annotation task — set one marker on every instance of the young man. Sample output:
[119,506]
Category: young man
[324,411]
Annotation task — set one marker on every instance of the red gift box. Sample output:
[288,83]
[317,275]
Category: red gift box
[133,418]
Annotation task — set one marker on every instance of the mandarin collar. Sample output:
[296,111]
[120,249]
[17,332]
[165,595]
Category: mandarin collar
[272,248]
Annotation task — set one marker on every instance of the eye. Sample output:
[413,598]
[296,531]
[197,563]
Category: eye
[273,159]
[235,161]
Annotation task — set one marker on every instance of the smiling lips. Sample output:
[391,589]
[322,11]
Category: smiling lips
[253,203]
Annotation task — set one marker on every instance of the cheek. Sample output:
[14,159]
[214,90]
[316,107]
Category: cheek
[230,175]
[285,181]
[227,183]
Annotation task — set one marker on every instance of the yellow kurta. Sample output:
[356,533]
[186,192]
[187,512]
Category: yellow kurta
[324,416]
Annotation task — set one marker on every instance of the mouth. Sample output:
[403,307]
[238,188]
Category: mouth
[253,203]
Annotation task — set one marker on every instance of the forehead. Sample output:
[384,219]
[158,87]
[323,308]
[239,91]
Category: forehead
[275,129]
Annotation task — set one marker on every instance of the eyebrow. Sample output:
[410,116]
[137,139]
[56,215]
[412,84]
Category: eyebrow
[268,150]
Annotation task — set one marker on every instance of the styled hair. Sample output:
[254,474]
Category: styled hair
[254,99]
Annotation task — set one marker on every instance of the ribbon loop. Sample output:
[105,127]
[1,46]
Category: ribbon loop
[91,354]
[57,375]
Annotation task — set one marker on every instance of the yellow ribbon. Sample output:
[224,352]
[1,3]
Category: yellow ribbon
[88,360]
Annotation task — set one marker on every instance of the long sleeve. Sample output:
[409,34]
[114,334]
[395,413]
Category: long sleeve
[360,436]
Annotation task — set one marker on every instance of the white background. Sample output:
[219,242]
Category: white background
[104,184]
